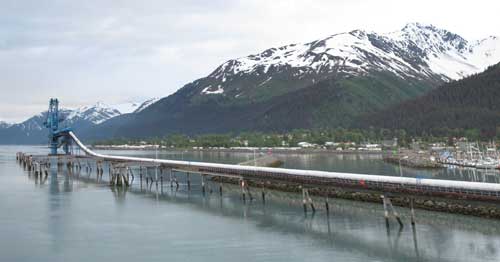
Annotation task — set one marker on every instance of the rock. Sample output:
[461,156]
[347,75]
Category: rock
[441,205]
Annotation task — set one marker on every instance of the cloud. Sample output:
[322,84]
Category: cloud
[84,51]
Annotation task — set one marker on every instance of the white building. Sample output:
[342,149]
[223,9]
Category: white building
[305,144]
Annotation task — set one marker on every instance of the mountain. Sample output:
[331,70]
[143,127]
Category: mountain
[329,82]
[469,103]
[144,105]
[32,131]
[418,52]
[4,124]
[94,114]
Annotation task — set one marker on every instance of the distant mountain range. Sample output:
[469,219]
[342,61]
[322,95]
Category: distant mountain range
[329,82]
[332,82]
[81,119]
[4,124]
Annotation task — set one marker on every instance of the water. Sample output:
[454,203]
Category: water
[66,218]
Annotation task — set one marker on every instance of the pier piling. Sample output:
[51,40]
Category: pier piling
[203,184]
[386,211]
[304,200]
[327,207]
[389,209]
[412,211]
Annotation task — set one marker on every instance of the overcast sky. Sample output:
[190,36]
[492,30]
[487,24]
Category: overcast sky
[115,51]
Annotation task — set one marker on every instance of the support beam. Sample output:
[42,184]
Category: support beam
[327,206]
[242,187]
[390,210]
[203,184]
[386,211]
[304,200]
[412,211]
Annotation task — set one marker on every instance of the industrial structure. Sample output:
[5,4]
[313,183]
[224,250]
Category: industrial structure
[122,171]
[57,137]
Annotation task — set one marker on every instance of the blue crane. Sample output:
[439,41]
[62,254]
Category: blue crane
[57,137]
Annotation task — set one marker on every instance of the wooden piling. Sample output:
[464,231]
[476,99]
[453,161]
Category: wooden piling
[203,184]
[170,178]
[263,197]
[394,212]
[386,211]
[125,180]
[310,201]
[327,206]
[242,186]
[140,175]
[412,211]
[304,200]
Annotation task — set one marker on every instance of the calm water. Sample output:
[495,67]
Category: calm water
[72,218]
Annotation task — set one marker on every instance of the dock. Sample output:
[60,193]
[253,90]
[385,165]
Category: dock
[430,194]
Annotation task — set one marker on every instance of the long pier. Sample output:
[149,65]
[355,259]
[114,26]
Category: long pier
[463,189]
[121,166]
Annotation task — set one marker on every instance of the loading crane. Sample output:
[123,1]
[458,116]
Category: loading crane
[57,136]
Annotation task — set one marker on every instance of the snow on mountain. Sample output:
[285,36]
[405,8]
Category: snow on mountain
[447,53]
[4,124]
[128,107]
[95,114]
[83,118]
[89,115]
[485,52]
[100,112]
[146,104]
[417,51]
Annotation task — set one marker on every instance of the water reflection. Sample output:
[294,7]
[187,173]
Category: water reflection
[59,204]
[353,231]
[352,226]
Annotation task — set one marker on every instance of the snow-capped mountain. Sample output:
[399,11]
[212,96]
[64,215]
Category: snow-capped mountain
[94,114]
[146,104]
[83,118]
[4,124]
[128,107]
[325,83]
[417,51]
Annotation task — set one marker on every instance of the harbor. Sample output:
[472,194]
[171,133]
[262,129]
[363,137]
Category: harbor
[267,181]
[78,207]
[471,198]
[462,154]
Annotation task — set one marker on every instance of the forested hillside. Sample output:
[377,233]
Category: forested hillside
[471,103]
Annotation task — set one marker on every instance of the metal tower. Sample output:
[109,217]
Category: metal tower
[57,137]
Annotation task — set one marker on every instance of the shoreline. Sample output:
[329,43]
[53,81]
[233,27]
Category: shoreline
[249,150]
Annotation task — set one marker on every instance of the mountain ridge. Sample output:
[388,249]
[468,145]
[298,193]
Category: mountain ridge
[344,76]
[32,130]
[329,82]
[470,103]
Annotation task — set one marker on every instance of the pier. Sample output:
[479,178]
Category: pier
[405,191]
[472,198]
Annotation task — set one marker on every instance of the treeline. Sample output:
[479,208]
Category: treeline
[469,107]
[291,139]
